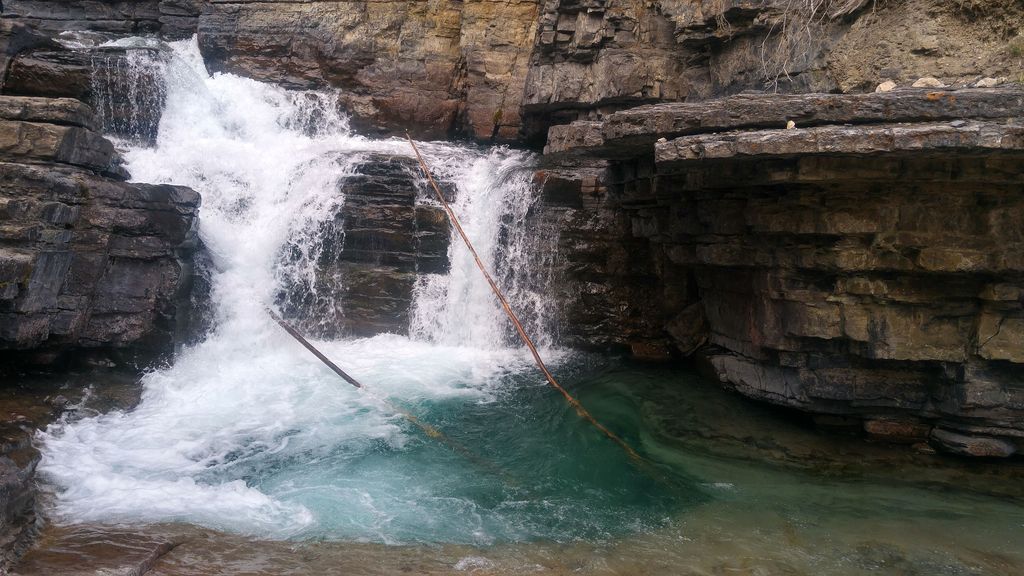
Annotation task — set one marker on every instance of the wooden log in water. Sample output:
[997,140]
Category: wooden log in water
[427,429]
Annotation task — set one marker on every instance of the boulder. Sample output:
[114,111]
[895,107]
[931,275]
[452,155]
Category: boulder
[928,82]
[989,82]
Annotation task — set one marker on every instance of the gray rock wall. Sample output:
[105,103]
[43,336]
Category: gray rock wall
[171,18]
[122,88]
[369,256]
[87,261]
[870,270]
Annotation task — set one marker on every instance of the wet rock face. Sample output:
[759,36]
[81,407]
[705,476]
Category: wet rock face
[55,16]
[872,270]
[173,19]
[87,261]
[382,238]
[121,86]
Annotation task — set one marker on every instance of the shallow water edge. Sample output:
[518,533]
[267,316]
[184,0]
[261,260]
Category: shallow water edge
[778,498]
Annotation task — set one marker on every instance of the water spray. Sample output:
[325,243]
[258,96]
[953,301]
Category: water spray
[427,429]
[633,455]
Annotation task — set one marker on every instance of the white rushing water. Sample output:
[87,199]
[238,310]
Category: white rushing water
[268,163]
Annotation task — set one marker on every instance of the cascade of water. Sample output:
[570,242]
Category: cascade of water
[268,163]
[496,195]
[128,91]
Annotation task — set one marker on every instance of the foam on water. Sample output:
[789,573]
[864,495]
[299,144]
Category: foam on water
[215,434]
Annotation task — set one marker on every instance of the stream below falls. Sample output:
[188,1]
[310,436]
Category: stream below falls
[251,457]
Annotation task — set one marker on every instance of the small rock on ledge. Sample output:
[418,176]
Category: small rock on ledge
[978,446]
[989,82]
[886,86]
[928,82]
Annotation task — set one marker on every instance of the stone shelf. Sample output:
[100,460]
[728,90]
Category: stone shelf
[958,136]
[632,132]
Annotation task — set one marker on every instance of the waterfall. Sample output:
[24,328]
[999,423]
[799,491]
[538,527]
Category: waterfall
[497,193]
[268,162]
[208,440]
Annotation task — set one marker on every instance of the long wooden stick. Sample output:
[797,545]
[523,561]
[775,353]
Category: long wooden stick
[515,319]
[301,340]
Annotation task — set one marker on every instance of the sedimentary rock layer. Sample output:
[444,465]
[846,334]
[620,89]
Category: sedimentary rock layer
[122,16]
[431,67]
[86,260]
[121,87]
[501,70]
[633,131]
[855,267]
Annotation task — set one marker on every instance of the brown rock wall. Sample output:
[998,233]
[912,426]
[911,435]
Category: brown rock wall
[507,70]
[435,68]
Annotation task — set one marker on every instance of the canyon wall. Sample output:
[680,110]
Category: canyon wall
[87,260]
[506,70]
[867,263]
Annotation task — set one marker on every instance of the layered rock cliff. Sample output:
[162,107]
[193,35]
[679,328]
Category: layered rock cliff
[508,70]
[87,261]
[866,262]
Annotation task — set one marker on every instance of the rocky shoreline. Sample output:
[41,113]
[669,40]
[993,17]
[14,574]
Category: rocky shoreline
[29,402]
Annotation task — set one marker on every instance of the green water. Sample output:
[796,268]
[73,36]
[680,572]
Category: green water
[722,465]
[738,488]
[536,471]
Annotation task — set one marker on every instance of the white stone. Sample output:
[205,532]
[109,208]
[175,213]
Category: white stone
[928,82]
[886,86]
[989,82]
